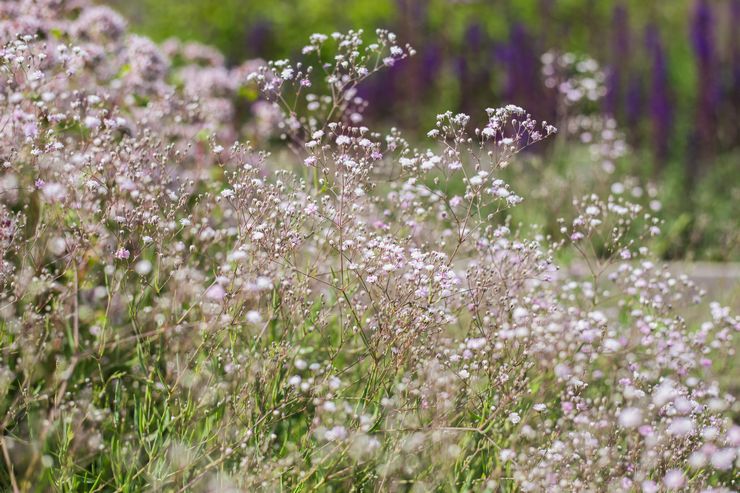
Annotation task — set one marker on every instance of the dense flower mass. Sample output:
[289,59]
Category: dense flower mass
[181,311]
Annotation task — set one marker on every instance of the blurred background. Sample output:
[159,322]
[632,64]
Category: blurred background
[672,78]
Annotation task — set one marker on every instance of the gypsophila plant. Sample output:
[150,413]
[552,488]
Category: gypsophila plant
[184,311]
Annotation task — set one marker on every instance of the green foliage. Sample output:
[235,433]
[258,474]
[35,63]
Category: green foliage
[228,23]
[703,224]
[700,219]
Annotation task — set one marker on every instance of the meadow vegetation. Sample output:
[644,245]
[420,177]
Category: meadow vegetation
[325,306]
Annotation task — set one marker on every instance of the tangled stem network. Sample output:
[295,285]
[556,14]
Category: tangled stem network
[181,311]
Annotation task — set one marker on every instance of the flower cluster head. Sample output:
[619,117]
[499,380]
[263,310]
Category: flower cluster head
[576,78]
[341,61]
[181,309]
